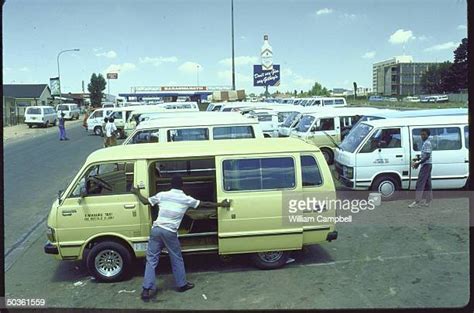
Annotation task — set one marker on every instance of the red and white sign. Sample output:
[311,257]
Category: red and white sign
[112,75]
[183,88]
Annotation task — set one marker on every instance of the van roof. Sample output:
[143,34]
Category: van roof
[422,112]
[419,121]
[212,118]
[40,106]
[342,111]
[201,148]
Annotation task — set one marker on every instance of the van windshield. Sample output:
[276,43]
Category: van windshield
[34,111]
[290,119]
[355,137]
[63,107]
[305,123]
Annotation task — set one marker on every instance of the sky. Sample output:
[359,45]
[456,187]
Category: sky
[188,42]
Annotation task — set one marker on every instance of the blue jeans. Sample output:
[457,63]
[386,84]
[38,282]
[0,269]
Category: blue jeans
[160,238]
[62,133]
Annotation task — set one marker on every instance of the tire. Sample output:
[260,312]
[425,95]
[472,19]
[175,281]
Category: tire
[387,186]
[98,131]
[46,124]
[29,125]
[54,122]
[109,261]
[328,155]
[270,260]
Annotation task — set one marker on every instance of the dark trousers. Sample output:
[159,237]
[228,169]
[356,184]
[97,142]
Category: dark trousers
[62,133]
[423,184]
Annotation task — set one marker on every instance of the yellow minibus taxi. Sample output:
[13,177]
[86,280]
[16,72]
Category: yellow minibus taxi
[97,219]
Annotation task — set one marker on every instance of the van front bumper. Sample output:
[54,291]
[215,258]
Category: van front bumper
[332,236]
[49,248]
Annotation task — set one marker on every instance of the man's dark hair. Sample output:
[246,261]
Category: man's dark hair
[176,182]
[111,120]
[426,130]
[106,120]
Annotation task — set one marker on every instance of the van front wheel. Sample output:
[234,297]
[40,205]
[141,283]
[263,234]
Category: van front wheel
[387,186]
[108,261]
[98,131]
[270,260]
[328,155]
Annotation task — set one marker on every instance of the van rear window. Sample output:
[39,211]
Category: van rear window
[188,134]
[63,108]
[34,111]
[259,174]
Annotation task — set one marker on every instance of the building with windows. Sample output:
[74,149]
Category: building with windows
[16,97]
[399,76]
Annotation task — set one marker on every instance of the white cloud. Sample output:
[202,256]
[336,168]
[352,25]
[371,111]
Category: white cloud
[401,36]
[97,49]
[443,46]
[423,38]
[324,11]
[190,67]
[241,60]
[120,68]
[369,55]
[24,69]
[462,27]
[109,55]
[158,60]
[349,16]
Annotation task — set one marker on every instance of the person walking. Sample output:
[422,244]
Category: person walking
[424,193]
[110,132]
[106,139]
[173,205]
[62,127]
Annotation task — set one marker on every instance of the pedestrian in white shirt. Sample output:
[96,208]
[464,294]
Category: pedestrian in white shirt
[110,131]
[173,205]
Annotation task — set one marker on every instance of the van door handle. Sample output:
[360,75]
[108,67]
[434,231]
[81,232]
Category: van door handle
[68,212]
[129,206]
[399,156]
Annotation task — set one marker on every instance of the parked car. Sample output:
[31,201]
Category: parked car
[40,116]
[412,99]
[70,110]
[376,98]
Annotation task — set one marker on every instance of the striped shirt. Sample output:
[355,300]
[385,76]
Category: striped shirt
[426,150]
[173,205]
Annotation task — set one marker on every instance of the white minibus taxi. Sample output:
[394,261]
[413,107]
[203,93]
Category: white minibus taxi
[96,119]
[327,128]
[325,101]
[377,154]
[271,118]
[40,116]
[71,111]
[205,126]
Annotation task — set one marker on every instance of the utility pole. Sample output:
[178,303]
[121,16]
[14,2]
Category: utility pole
[233,61]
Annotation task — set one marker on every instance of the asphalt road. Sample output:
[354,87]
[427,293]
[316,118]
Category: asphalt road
[391,257]
[35,170]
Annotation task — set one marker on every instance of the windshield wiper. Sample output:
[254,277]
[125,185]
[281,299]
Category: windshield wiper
[332,140]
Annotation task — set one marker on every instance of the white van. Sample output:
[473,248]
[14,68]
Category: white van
[327,128]
[326,101]
[233,106]
[271,118]
[290,122]
[40,116]
[190,128]
[107,105]
[377,154]
[70,110]
[96,119]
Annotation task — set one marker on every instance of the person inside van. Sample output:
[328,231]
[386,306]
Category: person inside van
[424,193]
[173,204]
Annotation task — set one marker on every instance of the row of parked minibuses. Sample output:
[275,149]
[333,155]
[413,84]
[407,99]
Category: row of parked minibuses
[226,156]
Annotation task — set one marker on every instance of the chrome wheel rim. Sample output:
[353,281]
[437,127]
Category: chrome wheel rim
[271,257]
[108,263]
[387,188]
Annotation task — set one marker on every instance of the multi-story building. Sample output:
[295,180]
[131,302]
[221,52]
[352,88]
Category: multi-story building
[399,76]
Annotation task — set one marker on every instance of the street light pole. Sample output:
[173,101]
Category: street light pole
[197,72]
[233,61]
[59,73]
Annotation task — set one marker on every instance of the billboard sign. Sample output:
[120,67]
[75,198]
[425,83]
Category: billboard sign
[262,78]
[183,88]
[112,75]
[54,86]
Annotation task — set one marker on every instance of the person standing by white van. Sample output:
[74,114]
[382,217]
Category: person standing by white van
[110,130]
[423,183]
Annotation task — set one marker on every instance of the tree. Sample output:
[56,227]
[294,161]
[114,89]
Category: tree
[460,66]
[96,88]
[438,79]
[318,90]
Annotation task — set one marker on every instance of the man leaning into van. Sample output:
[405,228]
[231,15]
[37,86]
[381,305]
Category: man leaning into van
[173,205]
[423,183]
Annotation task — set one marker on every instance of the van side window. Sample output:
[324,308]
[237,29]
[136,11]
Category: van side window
[233,132]
[188,134]
[106,179]
[383,138]
[466,136]
[118,115]
[326,124]
[310,171]
[259,174]
[442,138]
[146,136]
[97,114]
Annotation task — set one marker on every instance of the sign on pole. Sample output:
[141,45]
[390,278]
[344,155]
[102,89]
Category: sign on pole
[112,75]
[264,78]
[54,86]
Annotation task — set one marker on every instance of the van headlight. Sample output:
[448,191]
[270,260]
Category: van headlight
[50,233]
[348,172]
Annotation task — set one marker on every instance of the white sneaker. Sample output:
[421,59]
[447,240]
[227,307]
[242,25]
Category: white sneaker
[414,204]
